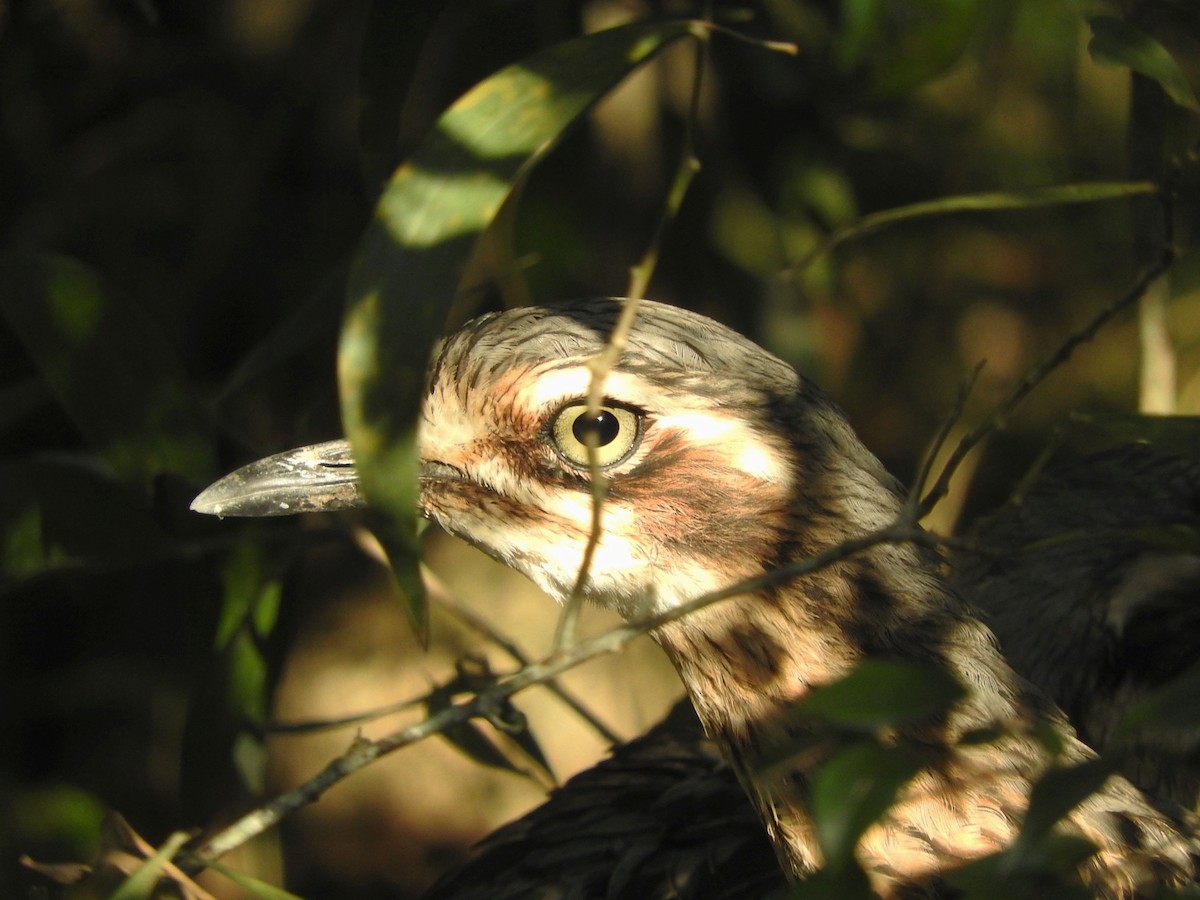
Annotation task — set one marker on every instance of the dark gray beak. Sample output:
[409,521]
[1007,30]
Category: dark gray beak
[308,479]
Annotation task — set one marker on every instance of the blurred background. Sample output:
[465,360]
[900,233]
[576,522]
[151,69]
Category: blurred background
[183,186]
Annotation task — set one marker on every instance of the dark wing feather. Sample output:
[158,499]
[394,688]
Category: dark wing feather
[1092,584]
[663,817]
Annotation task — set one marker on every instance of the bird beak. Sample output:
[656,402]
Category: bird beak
[316,478]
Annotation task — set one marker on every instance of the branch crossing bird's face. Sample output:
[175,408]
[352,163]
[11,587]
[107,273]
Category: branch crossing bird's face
[697,473]
[721,463]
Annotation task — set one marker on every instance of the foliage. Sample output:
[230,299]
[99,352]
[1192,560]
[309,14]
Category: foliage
[187,190]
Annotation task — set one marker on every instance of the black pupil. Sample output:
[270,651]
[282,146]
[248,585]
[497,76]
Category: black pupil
[603,425]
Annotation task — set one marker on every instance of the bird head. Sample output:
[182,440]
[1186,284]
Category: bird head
[705,444]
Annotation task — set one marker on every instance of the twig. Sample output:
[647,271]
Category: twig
[904,529]
[602,363]
[943,435]
[309,726]
[473,620]
[364,751]
[994,201]
[1035,376]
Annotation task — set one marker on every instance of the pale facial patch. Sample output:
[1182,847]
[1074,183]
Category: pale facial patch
[745,448]
[474,433]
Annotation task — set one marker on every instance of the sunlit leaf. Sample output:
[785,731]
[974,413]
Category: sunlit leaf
[1116,42]
[425,229]
[1054,795]
[852,790]
[882,693]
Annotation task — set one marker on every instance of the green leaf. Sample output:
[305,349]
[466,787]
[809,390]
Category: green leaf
[846,883]
[989,201]
[255,886]
[472,677]
[144,880]
[61,511]
[1116,42]
[852,790]
[60,813]
[1169,710]
[882,693]
[903,45]
[425,230]
[999,877]
[1054,795]
[110,370]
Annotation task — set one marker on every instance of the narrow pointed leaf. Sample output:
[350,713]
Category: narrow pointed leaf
[852,790]
[1056,793]
[426,227]
[1116,42]
[144,881]
[255,887]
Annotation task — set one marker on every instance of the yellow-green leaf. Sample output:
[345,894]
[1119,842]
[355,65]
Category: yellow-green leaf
[424,232]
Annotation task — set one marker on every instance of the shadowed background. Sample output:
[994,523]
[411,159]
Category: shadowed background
[202,172]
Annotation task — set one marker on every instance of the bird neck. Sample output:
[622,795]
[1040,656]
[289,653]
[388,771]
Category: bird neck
[744,659]
[747,661]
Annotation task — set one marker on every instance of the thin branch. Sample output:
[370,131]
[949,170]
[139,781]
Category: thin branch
[602,363]
[992,201]
[943,435]
[904,529]
[1035,376]
[476,622]
[363,751]
[786,47]
[309,726]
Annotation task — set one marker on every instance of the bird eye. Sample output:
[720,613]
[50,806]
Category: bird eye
[618,431]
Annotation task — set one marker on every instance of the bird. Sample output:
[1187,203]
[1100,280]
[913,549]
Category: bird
[1047,570]
[1091,581]
[721,463]
[663,816]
